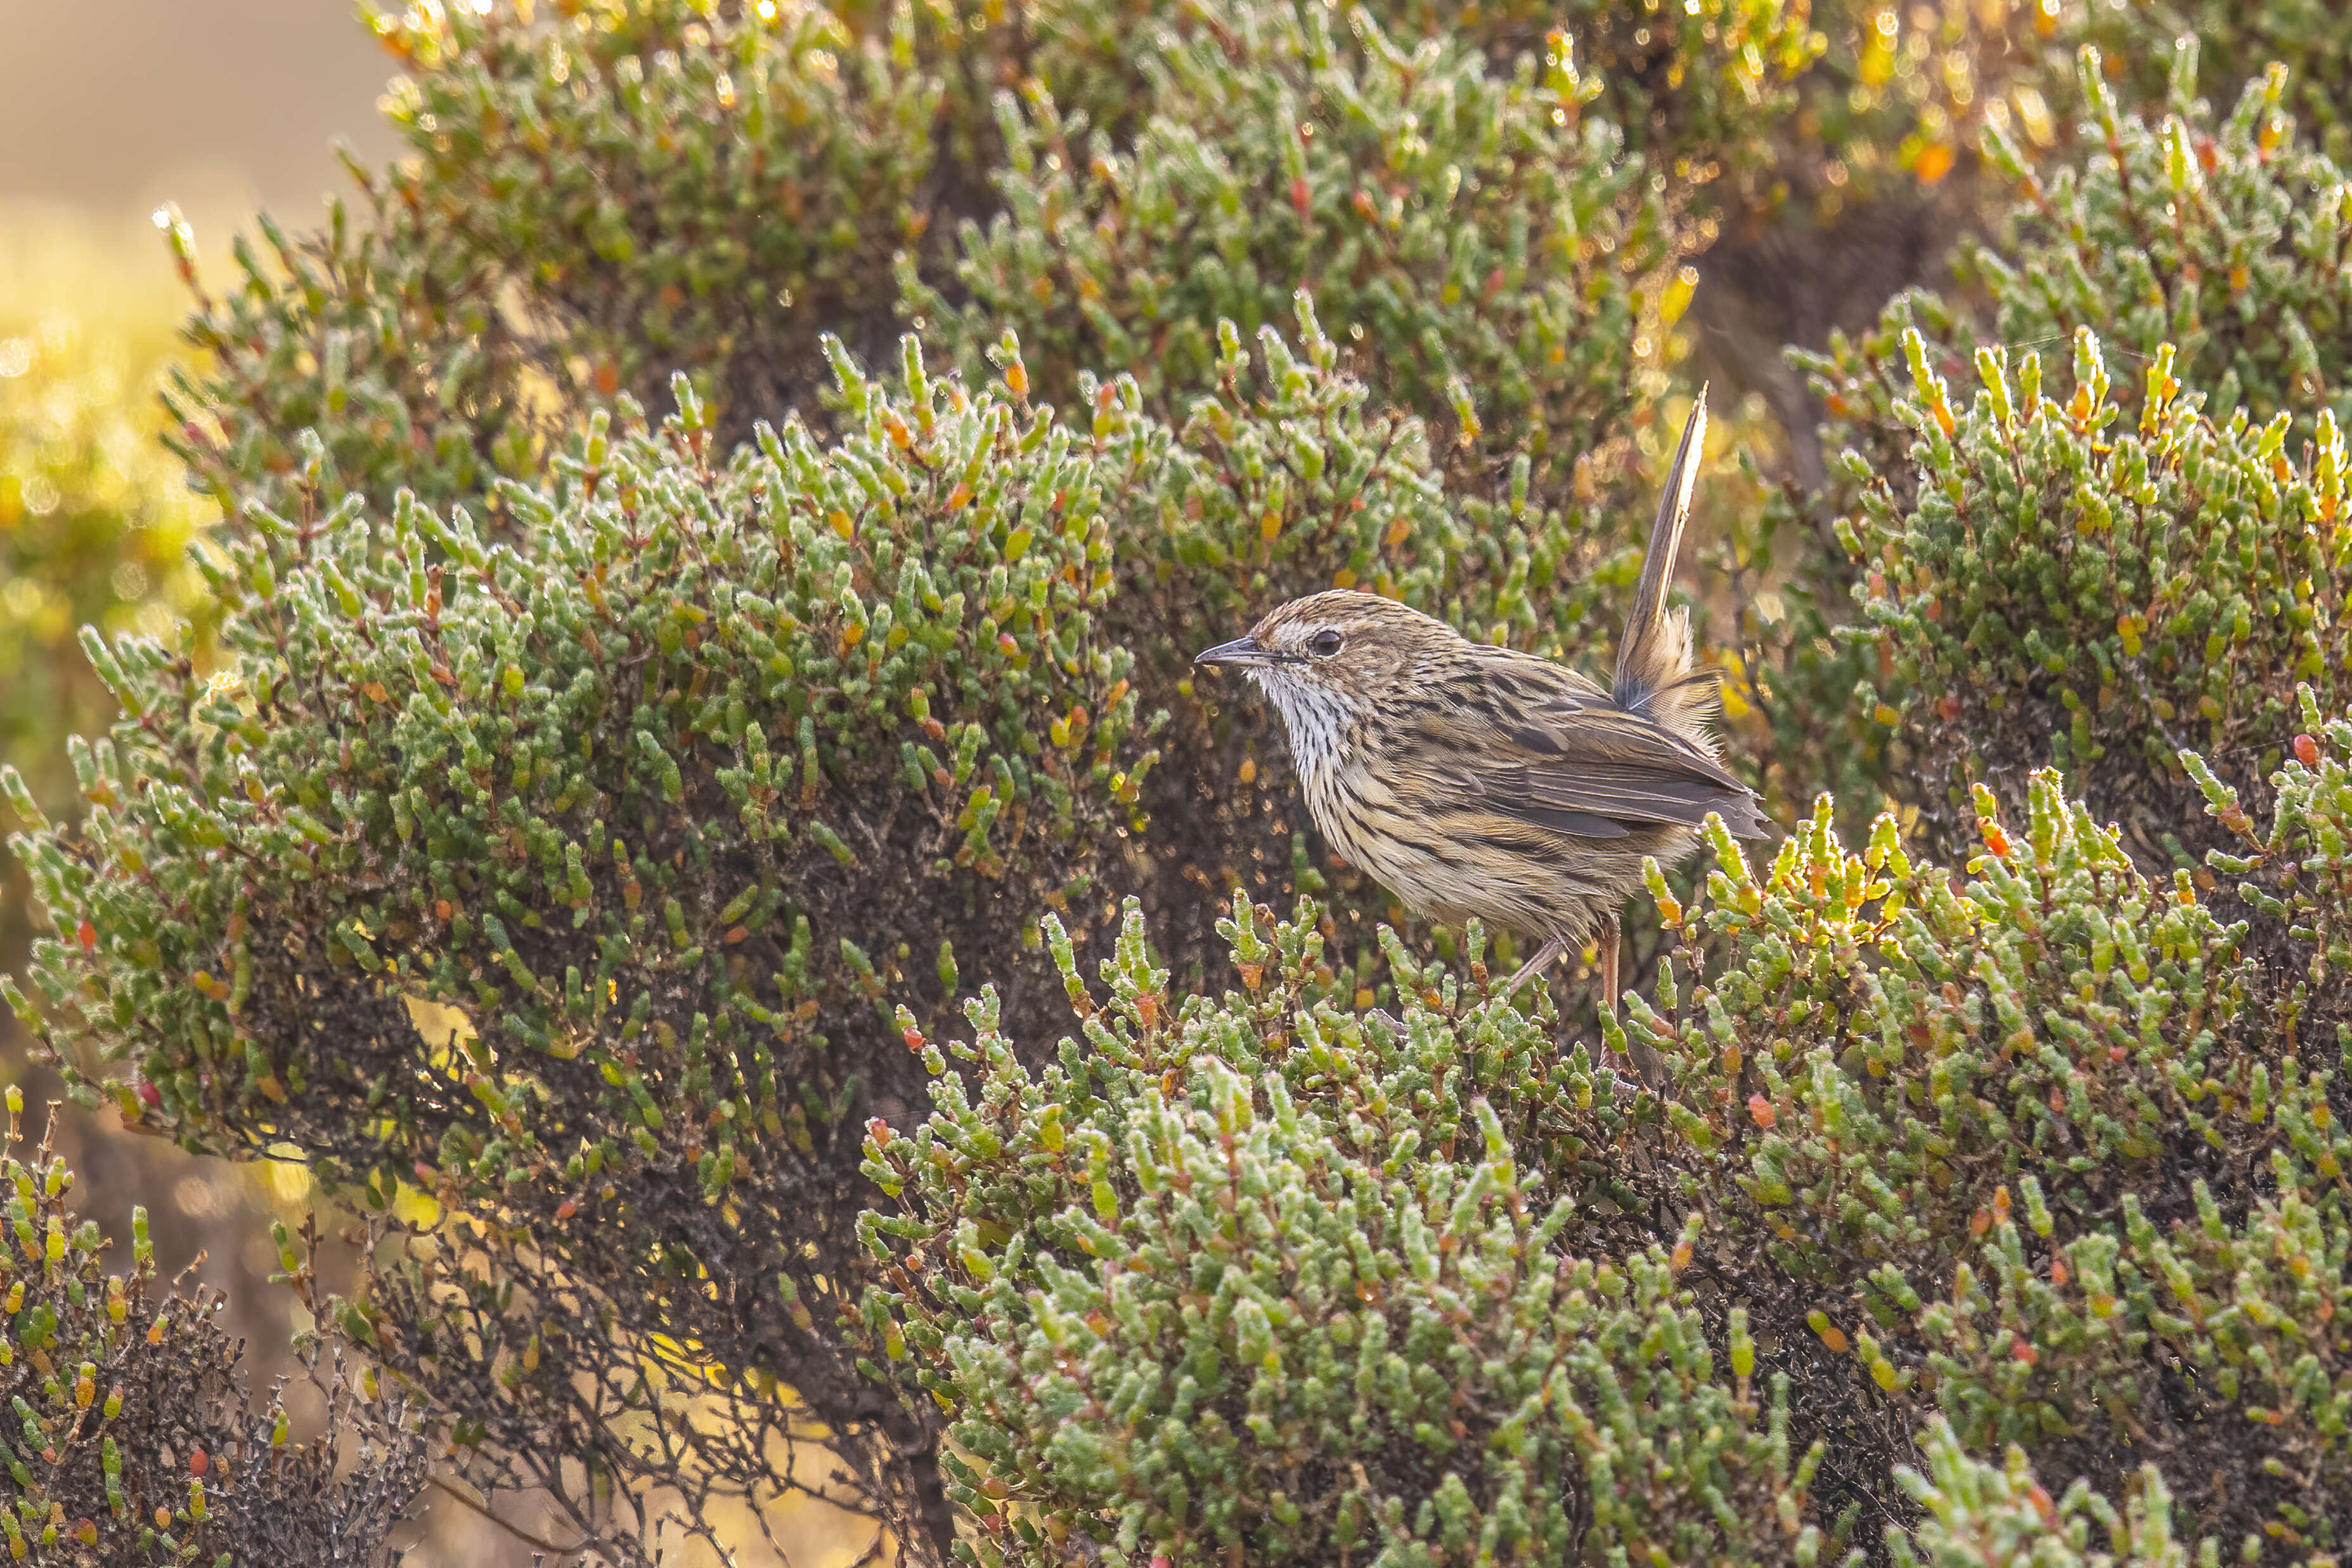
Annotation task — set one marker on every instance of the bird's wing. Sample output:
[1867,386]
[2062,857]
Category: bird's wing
[1577,763]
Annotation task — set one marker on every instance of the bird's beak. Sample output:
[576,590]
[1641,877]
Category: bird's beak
[1244,652]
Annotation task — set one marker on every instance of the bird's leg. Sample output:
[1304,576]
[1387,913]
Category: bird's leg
[1546,956]
[1609,942]
[1549,953]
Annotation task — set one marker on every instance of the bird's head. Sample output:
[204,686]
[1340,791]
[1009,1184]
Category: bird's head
[1326,659]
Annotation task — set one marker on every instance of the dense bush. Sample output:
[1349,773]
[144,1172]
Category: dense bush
[1980,1512]
[134,1437]
[362,349]
[599,196]
[1486,245]
[2074,587]
[95,518]
[1688,85]
[2221,237]
[602,194]
[680,187]
[2312,38]
[2036,1154]
[1257,1275]
[2225,240]
[2174,599]
[2010,1141]
[630,800]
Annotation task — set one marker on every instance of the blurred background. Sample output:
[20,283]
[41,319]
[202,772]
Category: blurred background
[109,107]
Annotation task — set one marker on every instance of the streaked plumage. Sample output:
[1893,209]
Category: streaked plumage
[1480,782]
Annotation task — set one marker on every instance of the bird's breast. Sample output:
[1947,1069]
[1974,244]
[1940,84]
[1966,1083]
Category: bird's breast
[1371,817]
[1320,723]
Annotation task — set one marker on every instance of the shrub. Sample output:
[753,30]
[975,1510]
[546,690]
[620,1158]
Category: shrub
[852,718]
[363,357]
[1690,84]
[1488,245]
[1690,87]
[589,827]
[93,522]
[2225,241]
[2239,43]
[2010,1142]
[672,808]
[2240,291]
[134,1438]
[2073,587]
[684,187]
[462,331]
[2045,1152]
[599,197]
[1978,1513]
[1251,1275]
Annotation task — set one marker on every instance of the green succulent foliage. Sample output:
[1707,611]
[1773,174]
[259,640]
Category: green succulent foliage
[2226,240]
[2212,1333]
[1492,251]
[1689,83]
[2070,585]
[599,195]
[2293,867]
[2313,38]
[368,348]
[2200,1322]
[680,186]
[2036,1148]
[1287,479]
[2045,1151]
[1888,1043]
[1694,82]
[1978,1513]
[1249,1273]
[2222,238]
[2165,232]
[128,1426]
[766,624]
[666,801]
[1087,53]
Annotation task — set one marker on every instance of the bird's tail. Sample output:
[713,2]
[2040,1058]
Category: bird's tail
[1655,674]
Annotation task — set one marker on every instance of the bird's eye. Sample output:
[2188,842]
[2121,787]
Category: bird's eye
[1325,642]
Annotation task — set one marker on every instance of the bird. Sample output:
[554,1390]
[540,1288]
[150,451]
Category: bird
[1481,782]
